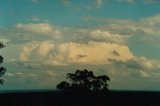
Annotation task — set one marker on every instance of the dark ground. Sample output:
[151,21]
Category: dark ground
[113,98]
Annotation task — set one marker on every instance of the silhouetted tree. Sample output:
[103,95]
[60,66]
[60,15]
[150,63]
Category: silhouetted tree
[2,69]
[63,86]
[84,80]
[100,83]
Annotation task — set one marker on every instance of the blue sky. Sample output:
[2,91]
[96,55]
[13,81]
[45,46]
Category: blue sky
[45,38]
[59,13]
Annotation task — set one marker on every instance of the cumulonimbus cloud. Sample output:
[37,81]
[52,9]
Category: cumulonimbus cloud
[71,53]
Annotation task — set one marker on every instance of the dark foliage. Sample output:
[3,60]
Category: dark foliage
[84,80]
[1,45]
[2,69]
[63,86]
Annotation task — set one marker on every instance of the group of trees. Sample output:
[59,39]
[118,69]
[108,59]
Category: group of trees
[84,80]
[2,69]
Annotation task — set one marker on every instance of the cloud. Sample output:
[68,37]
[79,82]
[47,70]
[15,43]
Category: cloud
[152,1]
[74,53]
[81,35]
[27,50]
[4,41]
[99,3]
[34,37]
[101,35]
[35,1]
[24,33]
[52,74]
[90,51]
[94,4]
[40,48]
[127,1]
[143,31]
[31,79]
[35,18]
[152,20]
[66,2]
[45,48]
[42,28]
[134,74]
[20,75]
[77,45]
[144,74]
[138,67]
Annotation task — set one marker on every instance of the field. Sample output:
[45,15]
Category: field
[52,98]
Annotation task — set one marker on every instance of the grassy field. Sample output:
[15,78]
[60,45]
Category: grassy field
[52,98]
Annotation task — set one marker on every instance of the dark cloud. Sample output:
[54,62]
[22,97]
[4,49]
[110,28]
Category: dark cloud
[116,53]
[81,56]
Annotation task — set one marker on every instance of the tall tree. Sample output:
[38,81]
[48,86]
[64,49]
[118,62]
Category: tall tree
[2,69]
[84,80]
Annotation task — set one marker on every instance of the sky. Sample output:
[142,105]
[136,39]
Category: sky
[46,39]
